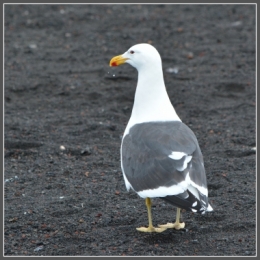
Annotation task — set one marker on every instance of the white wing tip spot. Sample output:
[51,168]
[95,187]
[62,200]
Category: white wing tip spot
[194,204]
[177,155]
[209,208]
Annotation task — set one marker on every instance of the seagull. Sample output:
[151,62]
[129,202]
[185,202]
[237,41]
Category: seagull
[160,155]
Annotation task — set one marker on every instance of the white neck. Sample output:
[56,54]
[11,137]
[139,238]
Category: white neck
[151,102]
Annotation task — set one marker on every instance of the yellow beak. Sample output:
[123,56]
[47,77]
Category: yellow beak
[117,60]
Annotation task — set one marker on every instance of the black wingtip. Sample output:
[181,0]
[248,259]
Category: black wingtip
[188,202]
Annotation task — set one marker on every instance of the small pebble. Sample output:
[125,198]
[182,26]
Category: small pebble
[237,23]
[190,55]
[174,70]
[32,46]
[38,248]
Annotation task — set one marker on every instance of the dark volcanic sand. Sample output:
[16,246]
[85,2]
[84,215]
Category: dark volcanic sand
[60,91]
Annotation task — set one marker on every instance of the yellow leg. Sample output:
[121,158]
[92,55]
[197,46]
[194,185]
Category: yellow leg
[150,228]
[177,224]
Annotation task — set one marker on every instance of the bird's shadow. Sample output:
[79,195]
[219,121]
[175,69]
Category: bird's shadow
[169,236]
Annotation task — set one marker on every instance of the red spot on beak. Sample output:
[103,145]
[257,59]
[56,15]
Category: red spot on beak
[113,64]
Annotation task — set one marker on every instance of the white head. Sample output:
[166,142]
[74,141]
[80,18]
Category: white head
[151,99]
[138,56]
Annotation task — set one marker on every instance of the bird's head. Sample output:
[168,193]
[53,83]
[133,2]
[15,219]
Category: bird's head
[138,56]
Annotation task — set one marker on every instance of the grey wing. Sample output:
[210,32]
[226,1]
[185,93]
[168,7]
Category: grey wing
[156,155]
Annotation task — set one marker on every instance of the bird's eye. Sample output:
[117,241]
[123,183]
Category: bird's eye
[132,52]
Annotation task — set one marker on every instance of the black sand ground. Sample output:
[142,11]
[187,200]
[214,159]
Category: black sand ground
[60,91]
